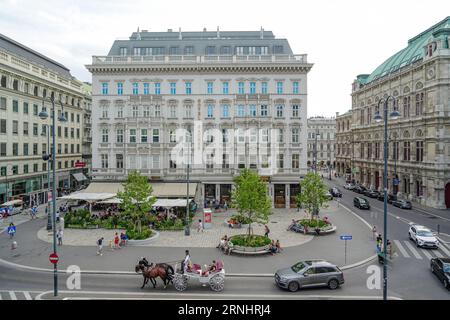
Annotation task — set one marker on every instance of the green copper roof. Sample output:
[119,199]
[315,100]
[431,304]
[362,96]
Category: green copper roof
[413,52]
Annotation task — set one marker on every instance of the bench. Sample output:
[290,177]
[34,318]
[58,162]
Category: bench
[250,251]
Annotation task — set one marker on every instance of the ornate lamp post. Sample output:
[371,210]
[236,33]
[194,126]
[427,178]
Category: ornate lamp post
[378,118]
[44,115]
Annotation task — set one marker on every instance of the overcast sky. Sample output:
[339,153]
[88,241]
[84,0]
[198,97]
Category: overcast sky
[342,38]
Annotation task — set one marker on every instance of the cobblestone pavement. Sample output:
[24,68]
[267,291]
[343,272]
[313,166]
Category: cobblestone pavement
[209,238]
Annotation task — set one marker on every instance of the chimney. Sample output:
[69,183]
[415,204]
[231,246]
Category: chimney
[204,29]
[261,35]
[169,30]
[218,33]
[179,34]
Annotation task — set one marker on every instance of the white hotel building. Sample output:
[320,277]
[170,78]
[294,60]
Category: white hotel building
[248,86]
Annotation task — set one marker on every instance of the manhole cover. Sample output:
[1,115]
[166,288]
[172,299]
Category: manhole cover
[273,221]
[432,217]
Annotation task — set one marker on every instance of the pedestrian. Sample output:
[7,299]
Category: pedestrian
[278,246]
[225,206]
[59,236]
[100,246]
[12,230]
[267,231]
[116,241]
[374,232]
[200,225]
[57,215]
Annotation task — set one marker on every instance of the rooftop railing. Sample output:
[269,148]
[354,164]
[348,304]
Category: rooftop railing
[192,59]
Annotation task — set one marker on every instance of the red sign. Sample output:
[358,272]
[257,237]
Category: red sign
[208,217]
[53,258]
[80,164]
[49,196]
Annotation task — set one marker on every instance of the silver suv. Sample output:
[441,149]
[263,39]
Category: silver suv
[311,273]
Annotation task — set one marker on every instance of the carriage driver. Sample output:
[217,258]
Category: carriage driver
[144,262]
[186,264]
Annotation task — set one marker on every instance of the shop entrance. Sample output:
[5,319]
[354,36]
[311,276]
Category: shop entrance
[294,192]
[225,193]
[279,196]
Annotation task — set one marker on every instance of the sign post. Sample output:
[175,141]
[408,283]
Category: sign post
[53,258]
[345,238]
[207,218]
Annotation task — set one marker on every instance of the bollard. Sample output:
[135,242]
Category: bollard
[439,229]
[14,245]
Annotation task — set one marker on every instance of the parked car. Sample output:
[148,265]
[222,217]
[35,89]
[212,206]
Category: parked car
[335,192]
[403,204]
[361,203]
[329,195]
[391,197]
[441,268]
[422,236]
[349,186]
[372,193]
[311,273]
[359,189]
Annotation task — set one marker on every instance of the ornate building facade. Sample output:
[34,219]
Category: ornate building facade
[344,146]
[325,142]
[417,82]
[247,87]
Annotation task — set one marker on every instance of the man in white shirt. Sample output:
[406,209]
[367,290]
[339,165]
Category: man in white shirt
[187,261]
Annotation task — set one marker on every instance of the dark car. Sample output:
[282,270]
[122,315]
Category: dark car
[312,273]
[360,189]
[361,203]
[391,197]
[335,192]
[372,193]
[403,204]
[441,268]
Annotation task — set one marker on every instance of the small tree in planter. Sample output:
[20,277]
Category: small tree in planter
[250,199]
[313,194]
[136,199]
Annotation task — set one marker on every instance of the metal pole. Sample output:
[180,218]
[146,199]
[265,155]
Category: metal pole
[385,199]
[186,228]
[395,165]
[315,153]
[49,220]
[55,269]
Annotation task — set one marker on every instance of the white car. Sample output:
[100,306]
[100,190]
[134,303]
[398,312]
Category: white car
[422,236]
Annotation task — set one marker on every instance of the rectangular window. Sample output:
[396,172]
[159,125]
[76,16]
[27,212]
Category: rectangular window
[241,87]
[225,111]
[132,135]
[157,111]
[78,133]
[25,149]
[104,88]
[210,86]
[173,88]
[157,88]
[135,88]
[72,133]
[78,118]
[119,161]
[188,50]
[419,151]
[295,161]
[119,112]
[295,135]
[295,111]
[3,149]
[264,87]
[104,158]
[279,87]
[406,151]
[105,135]
[241,110]
[146,111]
[188,111]
[280,160]
[25,128]
[3,126]
[15,169]
[146,88]
[25,107]
[253,110]
[188,87]
[210,50]
[25,168]
[280,111]
[135,111]
[225,87]
[35,109]
[15,129]
[155,135]
[295,87]
[264,111]
[120,88]
[280,137]
[210,111]
[119,135]
[3,103]
[252,87]
[123,51]
[15,105]
[172,136]
[173,111]
[15,149]
[144,136]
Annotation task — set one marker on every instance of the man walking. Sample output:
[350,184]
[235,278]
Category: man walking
[200,225]
[11,230]
[100,246]
[267,231]
[59,235]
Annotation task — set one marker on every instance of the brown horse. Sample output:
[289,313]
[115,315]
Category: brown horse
[162,270]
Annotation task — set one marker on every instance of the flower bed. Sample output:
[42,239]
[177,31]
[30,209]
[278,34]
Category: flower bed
[253,241]
[324,226]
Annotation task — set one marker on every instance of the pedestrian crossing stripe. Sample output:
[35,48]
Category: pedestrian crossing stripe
[406,248]
[12,295]
[15,295]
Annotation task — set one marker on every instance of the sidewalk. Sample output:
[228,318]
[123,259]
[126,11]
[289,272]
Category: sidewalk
[34,252]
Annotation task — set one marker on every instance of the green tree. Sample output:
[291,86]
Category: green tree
[250,198]
[136,199]
[313,194]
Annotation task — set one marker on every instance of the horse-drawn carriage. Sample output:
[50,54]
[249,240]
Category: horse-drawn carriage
[215,279]
[214,276]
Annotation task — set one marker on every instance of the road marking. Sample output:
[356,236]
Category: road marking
[402,250]
[426,253]
[443,248]
[438,254]
[27,295]
[12,295]
[432,214]
[413,250]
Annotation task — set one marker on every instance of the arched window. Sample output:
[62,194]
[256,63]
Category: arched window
[36,91]
[3,82]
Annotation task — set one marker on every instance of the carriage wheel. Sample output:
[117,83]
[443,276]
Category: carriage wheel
[217,283]
[180,282]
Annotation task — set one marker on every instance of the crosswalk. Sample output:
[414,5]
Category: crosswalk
[18,295]
[408,249]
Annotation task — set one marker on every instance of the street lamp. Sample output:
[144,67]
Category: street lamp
[187,230]
[315,151]
[44,115]
[394,115]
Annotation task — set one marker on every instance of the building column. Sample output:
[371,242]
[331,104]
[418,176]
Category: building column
[288,195]
[272,194]
[218,192]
